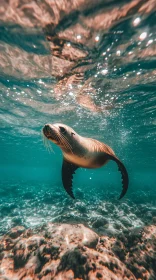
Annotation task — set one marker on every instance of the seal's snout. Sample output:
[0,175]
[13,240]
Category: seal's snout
[47,130]
[46,127]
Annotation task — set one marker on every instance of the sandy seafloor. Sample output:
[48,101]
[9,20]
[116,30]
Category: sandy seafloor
[33,205]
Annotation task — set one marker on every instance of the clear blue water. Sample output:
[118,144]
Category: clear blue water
[121,82]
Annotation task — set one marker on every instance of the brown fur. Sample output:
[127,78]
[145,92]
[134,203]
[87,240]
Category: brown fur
[81,151]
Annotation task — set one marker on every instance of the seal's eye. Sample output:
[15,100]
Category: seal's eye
[62,129]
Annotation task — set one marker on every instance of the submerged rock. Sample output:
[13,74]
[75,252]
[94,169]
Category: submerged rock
[16,232]
[65,251]
[71,235]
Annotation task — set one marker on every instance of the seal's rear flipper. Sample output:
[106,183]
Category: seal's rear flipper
[68,169]
[125,179]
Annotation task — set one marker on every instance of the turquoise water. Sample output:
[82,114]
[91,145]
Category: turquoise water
[120,85]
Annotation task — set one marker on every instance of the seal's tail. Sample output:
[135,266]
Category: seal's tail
[124,174]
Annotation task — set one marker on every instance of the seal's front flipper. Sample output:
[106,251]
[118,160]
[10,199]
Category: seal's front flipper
[125,179]
[68,169]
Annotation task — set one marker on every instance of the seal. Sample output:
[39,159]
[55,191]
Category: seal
[80,151]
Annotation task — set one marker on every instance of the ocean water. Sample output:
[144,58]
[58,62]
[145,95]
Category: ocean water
[103,85]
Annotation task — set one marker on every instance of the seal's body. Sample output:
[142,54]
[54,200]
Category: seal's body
[80,151]
[91,154]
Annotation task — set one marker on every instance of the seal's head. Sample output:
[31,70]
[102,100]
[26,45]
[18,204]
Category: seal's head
[60,134]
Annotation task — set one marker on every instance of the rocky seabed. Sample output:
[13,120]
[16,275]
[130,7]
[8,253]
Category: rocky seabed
[66,251]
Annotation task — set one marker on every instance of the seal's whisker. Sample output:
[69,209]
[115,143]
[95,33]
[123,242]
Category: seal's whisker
[43,137]
[64,142]
[57,138]
[46,143]
[70,147]
[61,140]
[67,142]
